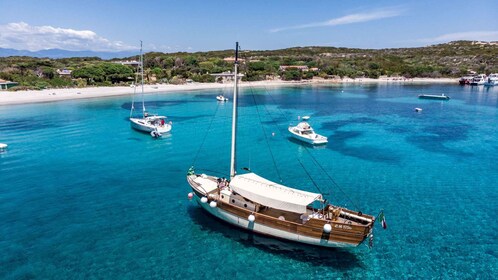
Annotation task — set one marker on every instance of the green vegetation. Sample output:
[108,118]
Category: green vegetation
[445,60]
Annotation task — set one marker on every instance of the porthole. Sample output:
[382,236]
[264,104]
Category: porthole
[245,205]
[222,196]
[233,200]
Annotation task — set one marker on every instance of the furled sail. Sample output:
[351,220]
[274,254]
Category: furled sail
[271,194]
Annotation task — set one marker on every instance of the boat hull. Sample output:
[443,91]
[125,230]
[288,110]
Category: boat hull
[435,97]
[141,125]
[244,223]
[491,83]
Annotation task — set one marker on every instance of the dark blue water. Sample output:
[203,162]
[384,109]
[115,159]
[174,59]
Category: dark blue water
[84,196]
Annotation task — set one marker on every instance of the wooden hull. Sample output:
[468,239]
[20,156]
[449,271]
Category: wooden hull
[341,236]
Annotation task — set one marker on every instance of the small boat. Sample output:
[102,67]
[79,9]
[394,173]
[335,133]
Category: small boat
[418,110]
[145,122]
[492,80]
[478,80]
[431,96]
[221,98]
[155,134]
[465,80]
[3,146]
[259,205]
[304,132]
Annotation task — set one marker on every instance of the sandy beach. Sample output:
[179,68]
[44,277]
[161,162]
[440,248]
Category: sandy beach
[51,95]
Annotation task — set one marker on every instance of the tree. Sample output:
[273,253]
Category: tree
[292,75]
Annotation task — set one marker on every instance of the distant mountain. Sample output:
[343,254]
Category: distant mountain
[58,53]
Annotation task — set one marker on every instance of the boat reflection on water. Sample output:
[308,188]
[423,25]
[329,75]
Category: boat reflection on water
[314,255]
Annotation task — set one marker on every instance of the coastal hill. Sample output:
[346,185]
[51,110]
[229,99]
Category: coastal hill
[436,61]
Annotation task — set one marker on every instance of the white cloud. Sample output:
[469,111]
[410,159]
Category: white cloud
[468,35]
[22,36]
[348,19]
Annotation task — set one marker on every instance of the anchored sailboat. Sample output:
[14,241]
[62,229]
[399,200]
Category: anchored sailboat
[153,124]
[254,203]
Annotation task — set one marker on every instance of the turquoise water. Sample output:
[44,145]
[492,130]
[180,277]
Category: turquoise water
[83,196]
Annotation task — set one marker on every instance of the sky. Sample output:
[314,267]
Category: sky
[203,25]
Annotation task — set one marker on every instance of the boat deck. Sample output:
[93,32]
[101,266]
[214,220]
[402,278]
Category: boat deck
[279,214]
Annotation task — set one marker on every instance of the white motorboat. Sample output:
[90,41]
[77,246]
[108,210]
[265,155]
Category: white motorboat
[304,132]
[145,122]
[492,80]
[221,98]
[3,146]
[478,80]
[259,205]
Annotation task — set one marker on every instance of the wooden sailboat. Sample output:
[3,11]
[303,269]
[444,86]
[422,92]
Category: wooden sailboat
[256,204]
[150,123]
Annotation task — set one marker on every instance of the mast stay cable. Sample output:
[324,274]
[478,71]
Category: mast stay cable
[315,161]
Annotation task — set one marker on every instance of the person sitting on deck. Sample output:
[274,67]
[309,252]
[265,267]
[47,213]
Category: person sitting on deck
[304,218]
[335,213]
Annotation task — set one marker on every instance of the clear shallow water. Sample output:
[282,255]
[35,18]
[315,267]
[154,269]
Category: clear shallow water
[84,196]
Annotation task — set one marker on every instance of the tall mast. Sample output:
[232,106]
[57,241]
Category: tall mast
[234,114]
[142,74]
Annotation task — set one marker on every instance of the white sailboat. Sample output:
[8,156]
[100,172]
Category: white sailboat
[150,123]
[254,203]
[304,132]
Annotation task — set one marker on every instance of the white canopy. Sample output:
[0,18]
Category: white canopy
[271,194]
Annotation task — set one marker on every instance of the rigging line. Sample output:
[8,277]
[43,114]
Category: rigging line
[205,135]
[273,120]
[314,159]
[133,96]
[299,160]
[264,133]
[142,74]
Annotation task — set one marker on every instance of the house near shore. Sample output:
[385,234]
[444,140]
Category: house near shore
[7,84]
[64,72]
[132,63]
[303,68]
[225,77]
[232,59]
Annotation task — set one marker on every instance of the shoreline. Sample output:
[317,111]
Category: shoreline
[53,95]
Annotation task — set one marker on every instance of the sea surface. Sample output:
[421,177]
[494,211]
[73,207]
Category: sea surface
[83,196]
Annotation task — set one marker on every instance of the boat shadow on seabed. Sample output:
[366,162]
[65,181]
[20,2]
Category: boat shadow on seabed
[317,256]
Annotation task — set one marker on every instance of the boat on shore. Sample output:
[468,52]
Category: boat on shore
[259,205]
[431,96]
[478,80]
[153,124]
[465,80]
[492,80]
[304,132]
